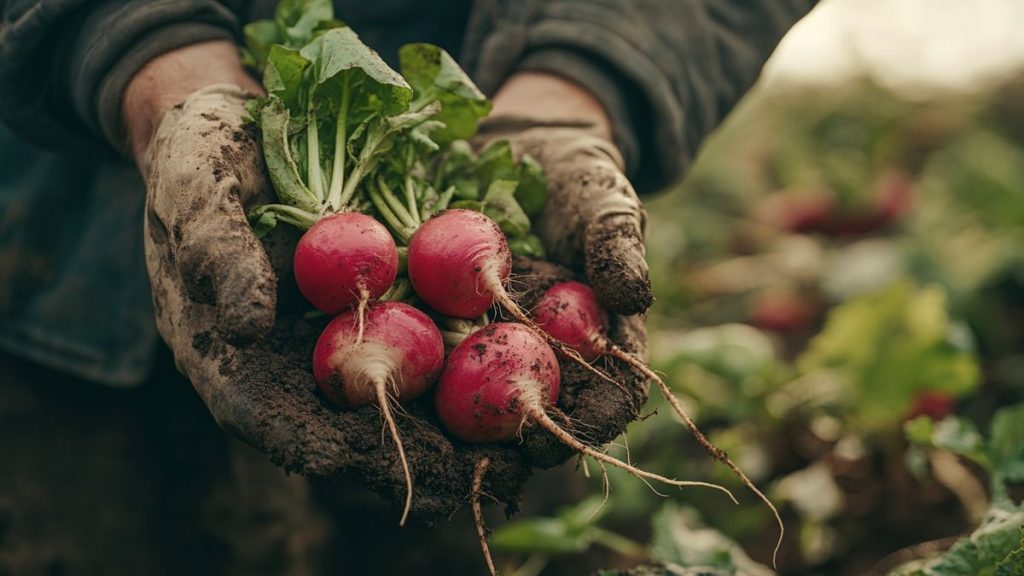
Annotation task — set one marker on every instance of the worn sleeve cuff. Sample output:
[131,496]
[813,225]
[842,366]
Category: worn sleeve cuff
[598,80]
[592,45]
[118,38]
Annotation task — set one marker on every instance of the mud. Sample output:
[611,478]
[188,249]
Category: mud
[288,417]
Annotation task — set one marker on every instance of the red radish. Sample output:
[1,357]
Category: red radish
[344,260]
[570,312]
[502,377]
[459,263]
[396,358]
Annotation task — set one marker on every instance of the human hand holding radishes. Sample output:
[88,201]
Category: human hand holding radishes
[215,293]
[593,216]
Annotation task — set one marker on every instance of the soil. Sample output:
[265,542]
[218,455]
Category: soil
[275,375]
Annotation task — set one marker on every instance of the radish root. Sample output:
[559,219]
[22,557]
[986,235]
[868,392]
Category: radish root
[535,411]
[478,516]
[385,408]
[716,452]
[364,299]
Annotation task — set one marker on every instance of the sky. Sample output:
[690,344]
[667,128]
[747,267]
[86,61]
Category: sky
[911,46]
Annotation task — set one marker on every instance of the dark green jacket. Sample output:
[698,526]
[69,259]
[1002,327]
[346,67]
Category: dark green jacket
[73,291]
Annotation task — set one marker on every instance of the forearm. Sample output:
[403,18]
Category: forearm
[549,97]
[168,79]
[64,64]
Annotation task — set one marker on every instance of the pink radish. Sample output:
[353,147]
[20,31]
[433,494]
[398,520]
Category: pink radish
[396,358]
[502,377]
[459,263]
[570,312]
[345,260]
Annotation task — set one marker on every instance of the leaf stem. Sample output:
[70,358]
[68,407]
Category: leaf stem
[290,214]
[316,184]
[340,146]
[396,206]
[393,222]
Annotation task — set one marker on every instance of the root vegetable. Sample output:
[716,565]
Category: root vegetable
[394,359]
[345,260]
[570,312]
[502,377]
[459,262]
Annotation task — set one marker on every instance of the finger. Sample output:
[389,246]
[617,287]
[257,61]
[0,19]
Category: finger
[222,264]
[615,264]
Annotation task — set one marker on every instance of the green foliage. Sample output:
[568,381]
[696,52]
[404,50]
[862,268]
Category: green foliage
[1013,564]
[988,551]
[887,345]
[995,547]
[343,131]
[572,531]
[436,77]
[679,541]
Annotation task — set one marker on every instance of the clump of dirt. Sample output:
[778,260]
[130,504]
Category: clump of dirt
[287,417]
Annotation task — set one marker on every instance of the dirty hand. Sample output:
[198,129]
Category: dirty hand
[593,220]
[214,288]
[593,224]
[221,311]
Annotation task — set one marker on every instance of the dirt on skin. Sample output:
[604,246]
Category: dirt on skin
[278,371]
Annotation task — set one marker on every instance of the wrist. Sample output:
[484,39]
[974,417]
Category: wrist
[546,96]
[167,80]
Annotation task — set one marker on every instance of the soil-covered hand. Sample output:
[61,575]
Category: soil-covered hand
[214,291]
[593,221]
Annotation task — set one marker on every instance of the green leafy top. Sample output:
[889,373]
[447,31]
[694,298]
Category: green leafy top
[342,131]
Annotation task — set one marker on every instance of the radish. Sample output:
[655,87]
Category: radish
[570,312]
[396,358]
[459,262]
[502,377]
[345,260]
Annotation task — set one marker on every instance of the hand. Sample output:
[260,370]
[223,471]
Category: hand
[217,308]
[597,410]
[593,223]
[593,216]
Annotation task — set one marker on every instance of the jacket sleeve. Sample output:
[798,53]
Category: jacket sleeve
[667,71]
[65,63]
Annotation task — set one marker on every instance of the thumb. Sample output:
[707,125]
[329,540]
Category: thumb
[614,255]
[222,263]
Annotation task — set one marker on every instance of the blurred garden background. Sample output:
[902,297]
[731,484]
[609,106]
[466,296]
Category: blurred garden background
[840,287]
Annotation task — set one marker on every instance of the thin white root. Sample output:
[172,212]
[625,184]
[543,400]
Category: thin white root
[536,413]
[606,488]
[364,299]
[385,409]
[478,516]
[715,451]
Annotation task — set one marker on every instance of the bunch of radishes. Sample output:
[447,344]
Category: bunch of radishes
[407,241]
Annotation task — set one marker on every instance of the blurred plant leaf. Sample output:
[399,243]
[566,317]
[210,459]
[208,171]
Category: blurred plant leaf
[980,553]
[958,435]
[680,541]
[1013,564]
[572,531]
[1007,443]
[885,346]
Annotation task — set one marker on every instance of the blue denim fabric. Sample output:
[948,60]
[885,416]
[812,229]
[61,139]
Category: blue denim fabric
[73,288]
